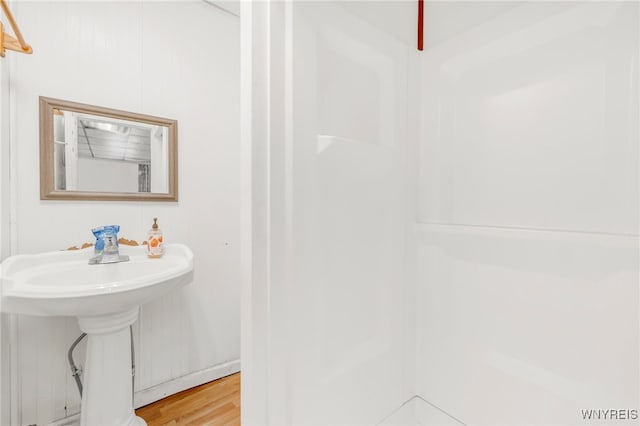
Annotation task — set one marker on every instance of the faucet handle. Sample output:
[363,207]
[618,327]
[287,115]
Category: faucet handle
[110,243]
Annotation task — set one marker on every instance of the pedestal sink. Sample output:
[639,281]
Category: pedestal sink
[106,300]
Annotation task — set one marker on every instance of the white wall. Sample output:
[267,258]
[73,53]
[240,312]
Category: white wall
[527,234]
[172,59]
[95,174]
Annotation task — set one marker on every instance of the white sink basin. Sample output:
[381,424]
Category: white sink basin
[106,299]
[63,283]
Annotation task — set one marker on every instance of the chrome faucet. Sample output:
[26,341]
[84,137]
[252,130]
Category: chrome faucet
[110,252]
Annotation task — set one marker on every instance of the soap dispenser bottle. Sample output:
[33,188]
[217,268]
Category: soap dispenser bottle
[155,243]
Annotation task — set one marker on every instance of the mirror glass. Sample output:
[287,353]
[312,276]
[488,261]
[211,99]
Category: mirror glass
[97,153]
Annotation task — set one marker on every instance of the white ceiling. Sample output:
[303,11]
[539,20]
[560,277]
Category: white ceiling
[133,145]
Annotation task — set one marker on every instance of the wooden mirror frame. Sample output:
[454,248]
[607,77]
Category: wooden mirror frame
[47,178]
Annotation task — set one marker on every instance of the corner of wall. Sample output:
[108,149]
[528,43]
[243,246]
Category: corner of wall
[5,233]
[5,161]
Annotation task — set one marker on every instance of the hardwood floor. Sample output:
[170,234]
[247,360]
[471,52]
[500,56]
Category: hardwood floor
[214,403]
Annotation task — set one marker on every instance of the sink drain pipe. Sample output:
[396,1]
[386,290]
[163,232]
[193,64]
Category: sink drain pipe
[76,372]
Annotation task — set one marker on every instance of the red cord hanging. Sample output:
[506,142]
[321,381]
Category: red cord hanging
[420,24]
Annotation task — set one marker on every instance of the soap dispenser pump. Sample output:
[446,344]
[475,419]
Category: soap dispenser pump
[155,241]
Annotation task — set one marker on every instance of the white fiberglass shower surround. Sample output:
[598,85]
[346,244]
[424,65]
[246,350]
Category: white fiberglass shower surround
[447,231]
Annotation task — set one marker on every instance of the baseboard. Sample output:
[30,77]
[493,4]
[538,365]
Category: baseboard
[155,393]
[73,420]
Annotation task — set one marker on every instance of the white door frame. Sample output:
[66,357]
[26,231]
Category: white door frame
[266,54]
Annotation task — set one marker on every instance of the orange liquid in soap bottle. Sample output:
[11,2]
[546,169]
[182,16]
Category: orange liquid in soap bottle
[155,241]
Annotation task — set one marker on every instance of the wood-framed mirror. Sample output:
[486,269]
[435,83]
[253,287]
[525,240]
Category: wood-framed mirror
[89,152]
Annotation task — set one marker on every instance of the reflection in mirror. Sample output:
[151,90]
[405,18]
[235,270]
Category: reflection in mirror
[99,153]
[94,153]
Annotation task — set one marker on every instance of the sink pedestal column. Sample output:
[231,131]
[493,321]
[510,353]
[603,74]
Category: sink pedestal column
[107,396]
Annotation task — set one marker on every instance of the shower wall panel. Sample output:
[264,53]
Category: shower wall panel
[527,241]
[338,318]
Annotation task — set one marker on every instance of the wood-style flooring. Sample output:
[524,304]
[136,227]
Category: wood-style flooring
[214,403]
